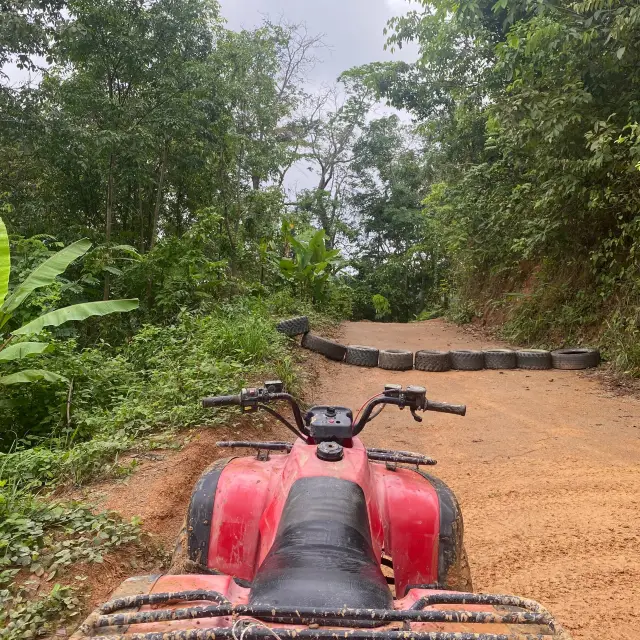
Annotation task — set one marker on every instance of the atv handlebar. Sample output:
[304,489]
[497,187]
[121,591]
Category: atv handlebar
[221,401]
[414,398]
[445,407]
[254,398]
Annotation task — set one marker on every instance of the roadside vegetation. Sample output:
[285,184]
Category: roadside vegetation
[140,178]
[528,117]
[153,238]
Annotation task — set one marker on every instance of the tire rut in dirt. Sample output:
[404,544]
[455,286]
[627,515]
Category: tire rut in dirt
[436,361]
[465,360]
[294,326]
[328,348]
[395,360]
[534,359]
[500,359]
[362,356]
[573,359]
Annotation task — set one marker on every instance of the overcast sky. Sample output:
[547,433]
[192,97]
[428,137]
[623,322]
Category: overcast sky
[352,28]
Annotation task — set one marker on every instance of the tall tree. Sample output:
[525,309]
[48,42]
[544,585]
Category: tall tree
[334,123]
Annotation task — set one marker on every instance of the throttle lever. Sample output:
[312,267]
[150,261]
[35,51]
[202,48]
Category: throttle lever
[416,417]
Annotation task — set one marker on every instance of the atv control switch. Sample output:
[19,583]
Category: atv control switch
[274,386]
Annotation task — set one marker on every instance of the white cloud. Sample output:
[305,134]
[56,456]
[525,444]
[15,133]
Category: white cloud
[398,5]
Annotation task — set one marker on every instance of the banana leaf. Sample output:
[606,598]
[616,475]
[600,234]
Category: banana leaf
[32,375]
[22,350]
[5,262]
[45,274]
[76,312]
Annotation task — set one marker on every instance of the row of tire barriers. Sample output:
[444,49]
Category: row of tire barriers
[437,361]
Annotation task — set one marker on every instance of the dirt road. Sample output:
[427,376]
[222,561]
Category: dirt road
[546,466]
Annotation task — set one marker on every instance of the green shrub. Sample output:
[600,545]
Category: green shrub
[24,617]
[41,538]
[122,395]
[381,305]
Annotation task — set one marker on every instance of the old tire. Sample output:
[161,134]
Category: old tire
[433,361]
[294,326]
[572,359]
[395,360]
[328,348]
[500,359]
[467,360]
[534,359]
[362,356]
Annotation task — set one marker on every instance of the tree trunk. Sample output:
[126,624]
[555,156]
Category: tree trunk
[156,210]
[156,216]
[141,217]
[232,245]
[178,211]
[109,223]
[126,211]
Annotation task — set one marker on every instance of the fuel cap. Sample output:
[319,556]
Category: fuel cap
[330,451]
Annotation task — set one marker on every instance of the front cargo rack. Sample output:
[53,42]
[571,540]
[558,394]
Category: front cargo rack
[543,625]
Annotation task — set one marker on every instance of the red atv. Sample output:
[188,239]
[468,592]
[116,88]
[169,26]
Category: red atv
[315,544]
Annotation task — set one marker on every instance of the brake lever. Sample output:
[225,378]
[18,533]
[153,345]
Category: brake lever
[416,417]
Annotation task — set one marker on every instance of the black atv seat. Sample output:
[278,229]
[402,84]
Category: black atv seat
[322,555]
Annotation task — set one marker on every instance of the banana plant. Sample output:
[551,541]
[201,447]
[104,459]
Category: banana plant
[312,264]
[43,276]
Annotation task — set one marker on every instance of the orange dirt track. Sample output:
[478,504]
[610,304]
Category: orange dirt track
[546,466]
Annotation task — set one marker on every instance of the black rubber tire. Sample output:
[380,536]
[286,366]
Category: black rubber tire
[395,360]
[459,577]
[328,348]
[294,326]
[534,359]
[467,360]
[180,559]
[572,359]
[362,356]
[500,359]
[433,361]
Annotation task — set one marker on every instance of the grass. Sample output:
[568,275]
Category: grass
[125,397]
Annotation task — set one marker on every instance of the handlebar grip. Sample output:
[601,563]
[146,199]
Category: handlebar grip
[445,407]
[221,401]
